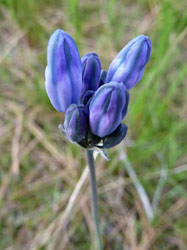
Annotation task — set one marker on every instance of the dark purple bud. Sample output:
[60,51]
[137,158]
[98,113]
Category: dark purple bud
[116,137]
[108,107]
[102,77]
[76,122]
[63,75]
[91,72]
[86,98]
[128,66]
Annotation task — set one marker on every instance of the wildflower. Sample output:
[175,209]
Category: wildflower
[94,101]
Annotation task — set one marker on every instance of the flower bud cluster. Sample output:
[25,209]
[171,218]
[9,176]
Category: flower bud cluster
[94,101]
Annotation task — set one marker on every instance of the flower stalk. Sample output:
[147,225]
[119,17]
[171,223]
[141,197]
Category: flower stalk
[93,183]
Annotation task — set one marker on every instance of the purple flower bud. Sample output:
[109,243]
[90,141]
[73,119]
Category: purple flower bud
[108,107]
[91,72]
[86,98]
[128,66]
[102,77]
[76,122]
[63,72]
[116,137]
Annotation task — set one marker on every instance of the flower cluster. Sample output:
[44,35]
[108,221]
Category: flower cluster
[94,101]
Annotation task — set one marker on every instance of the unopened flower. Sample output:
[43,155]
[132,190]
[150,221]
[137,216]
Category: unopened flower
[102,77]
[91,72]
[116,137]
[86,98]
[128,66]
[63,75]
[108,107]
[76,122]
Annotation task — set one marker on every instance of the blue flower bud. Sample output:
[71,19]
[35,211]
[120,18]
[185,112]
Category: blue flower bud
[107,108]
[63,72]
[128,66]
[116,137]
[76,122]
[102,77]
[91,72]
[86,98]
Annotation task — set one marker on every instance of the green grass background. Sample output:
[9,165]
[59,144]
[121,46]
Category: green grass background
[39,169]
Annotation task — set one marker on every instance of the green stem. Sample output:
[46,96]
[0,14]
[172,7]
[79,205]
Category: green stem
[93,183]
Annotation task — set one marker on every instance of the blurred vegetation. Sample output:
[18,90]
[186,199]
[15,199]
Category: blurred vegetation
[39,169]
